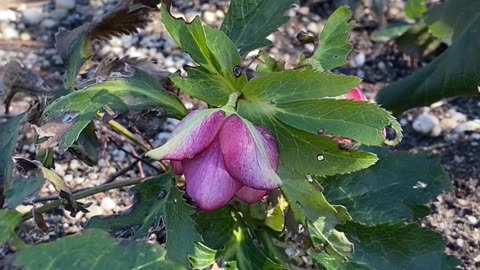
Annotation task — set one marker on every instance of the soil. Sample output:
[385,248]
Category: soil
[456,214]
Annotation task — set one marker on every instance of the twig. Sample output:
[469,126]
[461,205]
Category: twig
[85,193]
[140,158]
[121,172]
[139,163]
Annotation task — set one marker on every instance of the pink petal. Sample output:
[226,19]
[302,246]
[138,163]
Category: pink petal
[250,195]
[192,135]
[356,94]
[208,182]
[271,145]
[248,155]
[177,167]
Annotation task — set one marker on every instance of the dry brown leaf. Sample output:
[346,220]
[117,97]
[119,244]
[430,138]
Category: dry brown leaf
[75,46]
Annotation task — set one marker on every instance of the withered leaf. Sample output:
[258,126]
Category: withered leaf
[39,220]
[75,46]
[68,200]
[16,78]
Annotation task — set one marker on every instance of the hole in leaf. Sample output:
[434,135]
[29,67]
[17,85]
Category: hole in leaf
[321,131]
[320,157]
[390,133]
[237,71]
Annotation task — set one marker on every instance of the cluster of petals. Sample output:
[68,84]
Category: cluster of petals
[221,157]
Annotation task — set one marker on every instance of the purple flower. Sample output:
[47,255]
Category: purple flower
[222,157]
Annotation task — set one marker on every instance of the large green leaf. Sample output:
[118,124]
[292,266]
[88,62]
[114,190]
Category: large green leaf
[334,46]
[391,247]
[69,115]
[455,72]
[309,206]
[157,199]
[214,52]
[249,22]
[306,152]
[452,18]
[361,121]
[94,249]
[8,221]
[224,230]
[295,85]
[390,190]
[76,46]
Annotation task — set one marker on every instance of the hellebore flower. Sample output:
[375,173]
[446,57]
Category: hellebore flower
[221,157]
[356,94]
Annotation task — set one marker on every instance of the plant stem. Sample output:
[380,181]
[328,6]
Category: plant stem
[85,193]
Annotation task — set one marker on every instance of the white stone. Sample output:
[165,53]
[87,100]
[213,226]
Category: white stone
[108,204]
[66,4]
[7,15]
[10,33]
[425,123]
[33,15]
[209,17]
[94,210]
[473,125]
[49,23]
[472,220]
[359,60]
[460,242]
[457,116]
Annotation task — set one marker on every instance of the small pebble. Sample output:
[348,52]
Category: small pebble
[32,15]
[472,220]
[49,23]
[7,15]
[359,60]
[66,4]
[460,242]
[448,124]
[108,204]
[209,17]
[426,124]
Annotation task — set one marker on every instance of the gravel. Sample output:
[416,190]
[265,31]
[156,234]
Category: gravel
[450,129]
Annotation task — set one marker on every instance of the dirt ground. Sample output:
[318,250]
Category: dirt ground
[456,214]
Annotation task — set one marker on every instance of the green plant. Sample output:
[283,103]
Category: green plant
[455,72]
[290,134]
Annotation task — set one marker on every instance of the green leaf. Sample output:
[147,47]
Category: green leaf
[216,55]
[310,207]
[304,152]
[8,139]
[455,72]
[390,190]
[334,46]
[452,18]
[94,249]
[361,121]
[268,64]
[22,188]
[224,230]
[70,114]
[203,256]
[157,199]
[415,8]
[392,31]
[392,246]
[87,146]
[8,222]
[76,46]
[249,22]
[295,85]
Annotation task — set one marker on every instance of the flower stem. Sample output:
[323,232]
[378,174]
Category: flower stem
[85,193]
[229,108]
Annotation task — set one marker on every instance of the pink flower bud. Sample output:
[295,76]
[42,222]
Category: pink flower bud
[222,158]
